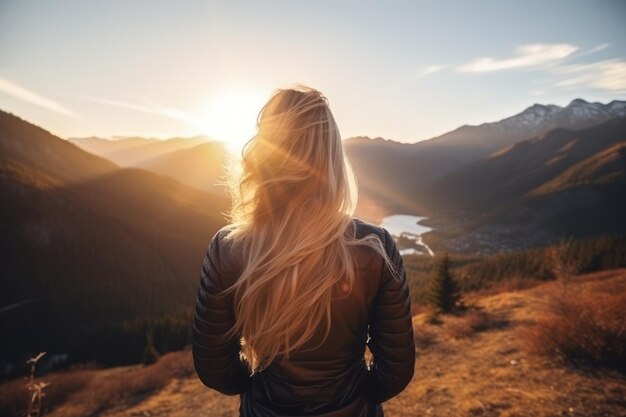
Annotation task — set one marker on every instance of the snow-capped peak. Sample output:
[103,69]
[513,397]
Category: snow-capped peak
[578,113]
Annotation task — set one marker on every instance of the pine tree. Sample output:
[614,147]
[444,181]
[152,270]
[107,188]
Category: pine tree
[150,354]
[443,292]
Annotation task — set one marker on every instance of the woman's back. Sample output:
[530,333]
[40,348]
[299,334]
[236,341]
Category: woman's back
[328,375]
[293,287]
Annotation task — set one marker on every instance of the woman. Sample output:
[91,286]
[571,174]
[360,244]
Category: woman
[295,287]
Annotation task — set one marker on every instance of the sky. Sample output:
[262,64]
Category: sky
[402,70]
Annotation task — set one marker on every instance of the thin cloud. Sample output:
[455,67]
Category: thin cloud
[431,69]
[532,55]
[169,112]
[598,48]
[21,93]
[609,75]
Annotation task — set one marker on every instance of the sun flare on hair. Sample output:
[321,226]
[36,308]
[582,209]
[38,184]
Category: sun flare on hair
[230,116]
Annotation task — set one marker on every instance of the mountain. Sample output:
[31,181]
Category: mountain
[523,167]
[196,161]
[133,151]
[562,183]
[25,147]
[538,119]
[470,143]
[201,166]
[385,174]
[86,243]
[408,169]
[105,147]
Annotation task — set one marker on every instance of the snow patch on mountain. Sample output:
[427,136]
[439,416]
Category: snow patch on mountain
[578,112]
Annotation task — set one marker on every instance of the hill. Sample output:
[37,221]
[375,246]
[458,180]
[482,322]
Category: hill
[86,244]
[198,161]
[563,183]
[201,166]
[386,177]
[471,365]
[28,147]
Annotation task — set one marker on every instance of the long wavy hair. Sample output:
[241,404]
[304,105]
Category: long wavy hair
[292,215]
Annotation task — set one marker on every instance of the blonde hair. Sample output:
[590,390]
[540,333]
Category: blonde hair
[292,217]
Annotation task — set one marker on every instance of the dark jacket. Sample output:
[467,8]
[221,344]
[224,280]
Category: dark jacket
[333,380]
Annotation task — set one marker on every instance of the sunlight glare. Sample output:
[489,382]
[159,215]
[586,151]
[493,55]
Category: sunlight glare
[230,116]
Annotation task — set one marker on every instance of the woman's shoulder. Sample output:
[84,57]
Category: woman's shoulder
[223,233]
[221,251]
[364,228]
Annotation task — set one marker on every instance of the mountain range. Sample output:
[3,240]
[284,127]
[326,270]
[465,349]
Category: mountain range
[406,170]
[133,150]
[197,161]
[393,177]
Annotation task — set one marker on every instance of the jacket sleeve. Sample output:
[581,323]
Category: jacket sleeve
[216,360]
[391,332]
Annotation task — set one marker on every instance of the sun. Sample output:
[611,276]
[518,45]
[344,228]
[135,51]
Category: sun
[230,116]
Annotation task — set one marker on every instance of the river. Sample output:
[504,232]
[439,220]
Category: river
[408,233]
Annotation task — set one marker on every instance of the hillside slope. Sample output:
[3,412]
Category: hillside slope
[29,146]
[405,170]
[518,170]
[201,166]
[483,373]
[84,242]
[564,183]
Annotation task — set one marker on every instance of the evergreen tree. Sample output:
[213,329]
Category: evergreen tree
[150,354]
[443,292]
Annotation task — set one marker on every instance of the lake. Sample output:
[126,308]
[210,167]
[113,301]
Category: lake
[407,232]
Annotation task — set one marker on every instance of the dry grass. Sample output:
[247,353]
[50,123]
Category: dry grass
[515,283]
[141,381]
[580,325]
[488,373]
[91,391]
[471,322]
[14,396]
[424,335]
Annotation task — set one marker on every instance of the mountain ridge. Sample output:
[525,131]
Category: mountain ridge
[91,244]
[409,169]
[563,183]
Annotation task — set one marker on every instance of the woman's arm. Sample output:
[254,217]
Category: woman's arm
[216,359]
[391,332]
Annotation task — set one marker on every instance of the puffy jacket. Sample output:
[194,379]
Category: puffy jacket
[333,380]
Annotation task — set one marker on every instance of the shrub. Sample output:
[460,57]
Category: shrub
[423,336]
[150,354]
[580,327]
[433,318]
[472,322]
